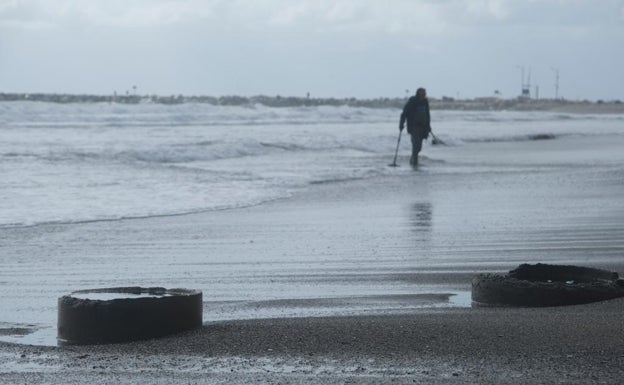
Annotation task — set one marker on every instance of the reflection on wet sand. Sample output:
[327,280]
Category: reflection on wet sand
[421,216]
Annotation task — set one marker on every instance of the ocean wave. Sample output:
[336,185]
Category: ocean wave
[73,163]
[284,146]
[27,114]
[519,116]
[518,138]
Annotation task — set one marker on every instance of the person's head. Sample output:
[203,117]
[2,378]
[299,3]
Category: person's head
[421,93]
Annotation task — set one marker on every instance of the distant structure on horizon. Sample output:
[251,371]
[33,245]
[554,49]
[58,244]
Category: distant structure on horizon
[525,86]
[556,70]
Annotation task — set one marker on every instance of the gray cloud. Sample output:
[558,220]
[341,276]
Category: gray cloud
[330,47]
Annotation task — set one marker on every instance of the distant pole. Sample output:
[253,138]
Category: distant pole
[528,85]
[556,70]
[525,88]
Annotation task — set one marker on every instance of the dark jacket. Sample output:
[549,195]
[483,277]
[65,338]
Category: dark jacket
[416,112]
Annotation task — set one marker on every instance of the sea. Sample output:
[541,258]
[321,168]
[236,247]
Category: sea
[68,163]
[90,193]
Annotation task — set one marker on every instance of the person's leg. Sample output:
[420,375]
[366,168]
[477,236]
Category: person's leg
[416,147]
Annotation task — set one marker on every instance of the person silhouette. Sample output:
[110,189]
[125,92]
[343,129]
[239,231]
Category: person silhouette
[416,113]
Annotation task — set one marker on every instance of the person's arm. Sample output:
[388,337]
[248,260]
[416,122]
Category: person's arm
[402,122]
[403,117]
[428,119]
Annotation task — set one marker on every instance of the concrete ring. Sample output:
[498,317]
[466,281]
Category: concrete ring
[546,285]
[121,314]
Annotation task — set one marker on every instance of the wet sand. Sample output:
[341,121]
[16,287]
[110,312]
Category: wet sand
[568,345]
[311,309]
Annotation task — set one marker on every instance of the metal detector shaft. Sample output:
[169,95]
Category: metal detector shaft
[396,153]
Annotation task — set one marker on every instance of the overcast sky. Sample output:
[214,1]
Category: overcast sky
[341,48]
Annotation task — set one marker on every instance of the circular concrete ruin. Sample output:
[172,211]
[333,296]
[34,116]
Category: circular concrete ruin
[121,314]
[546,285]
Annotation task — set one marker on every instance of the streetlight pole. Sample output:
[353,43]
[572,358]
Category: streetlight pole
[556,70]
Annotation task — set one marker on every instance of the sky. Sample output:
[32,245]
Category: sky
[328,48]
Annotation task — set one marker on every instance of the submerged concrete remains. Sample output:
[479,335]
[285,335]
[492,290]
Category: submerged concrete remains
[546,285]
[126,314]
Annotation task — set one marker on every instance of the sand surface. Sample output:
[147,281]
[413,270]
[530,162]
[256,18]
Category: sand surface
[355,285]
[571,345]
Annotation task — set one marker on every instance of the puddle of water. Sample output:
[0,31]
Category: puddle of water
[460,299]
[342,306]
[45,336]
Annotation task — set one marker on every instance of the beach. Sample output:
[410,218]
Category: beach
[346,307]
[348,280]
